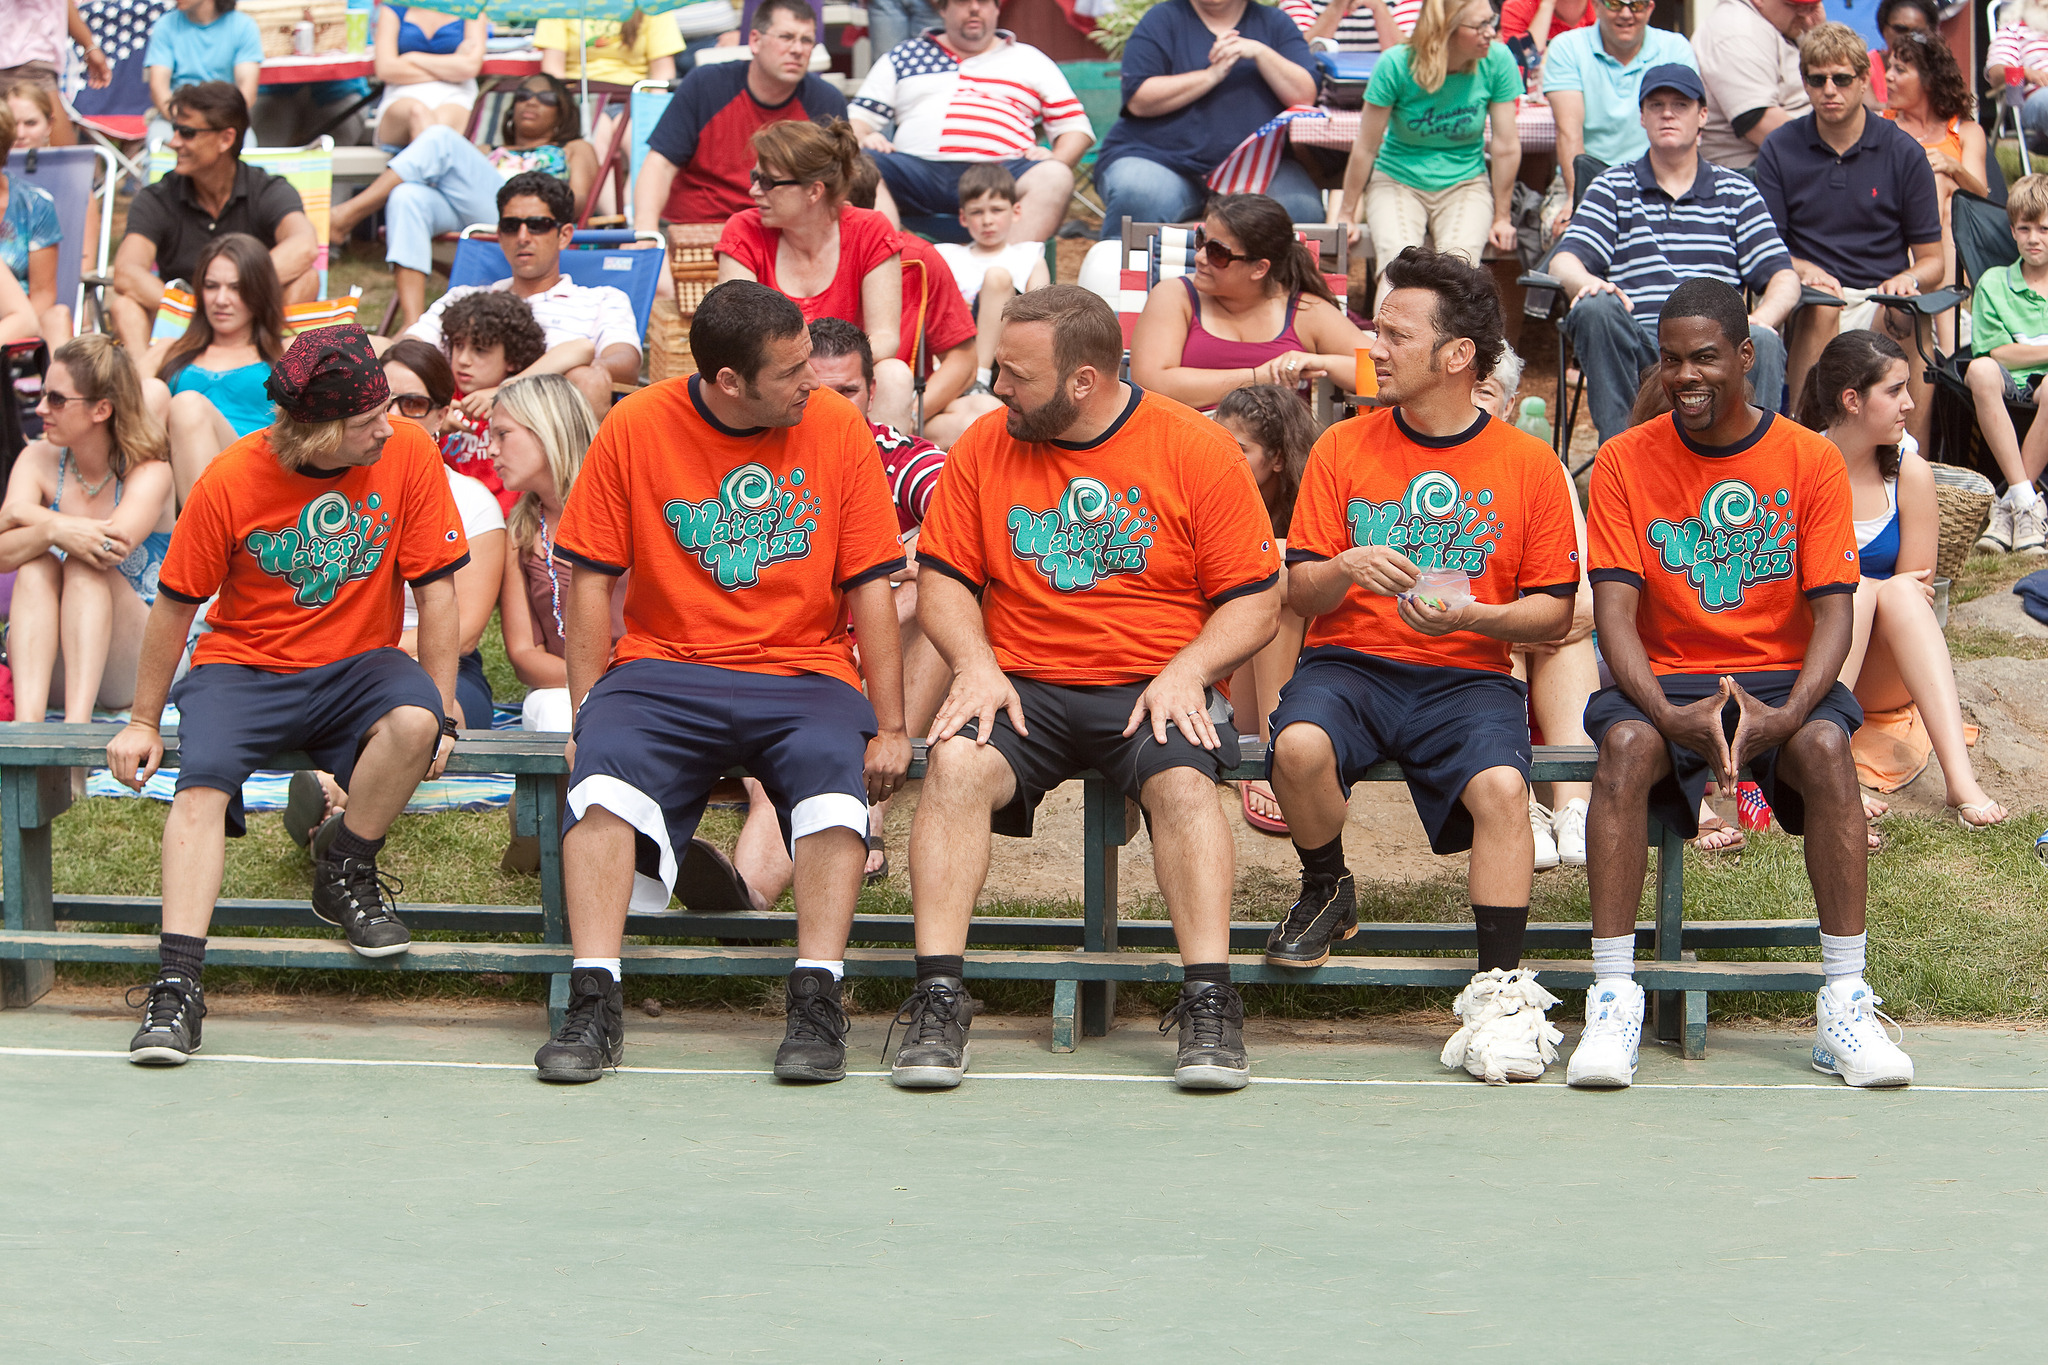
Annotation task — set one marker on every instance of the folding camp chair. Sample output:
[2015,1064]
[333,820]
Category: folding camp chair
[68,173]
[310,169]
[646,103]
[487,117]
[116,116]
[596,256]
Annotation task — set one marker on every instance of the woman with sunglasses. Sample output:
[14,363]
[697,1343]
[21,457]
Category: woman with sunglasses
[84,528]
[207,386]
[1420,158]
[442,183]
[832,260]
[1256,311]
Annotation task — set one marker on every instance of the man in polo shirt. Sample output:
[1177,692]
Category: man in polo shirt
[209,192]
[1647,225]
[1748,53]
[700,153]
[1593,79]
[1855,201]
[536,220]
[972,93]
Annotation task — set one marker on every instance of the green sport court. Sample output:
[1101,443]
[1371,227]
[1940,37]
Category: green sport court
[390,1182]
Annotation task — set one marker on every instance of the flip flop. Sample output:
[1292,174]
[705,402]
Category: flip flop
[1264,824]
[1713,825]
[709,884]
[880,874]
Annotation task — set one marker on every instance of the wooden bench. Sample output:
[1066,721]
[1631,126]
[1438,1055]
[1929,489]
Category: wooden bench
[1085,958]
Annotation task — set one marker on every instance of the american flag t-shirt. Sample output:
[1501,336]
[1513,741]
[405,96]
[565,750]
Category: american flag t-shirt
[986,107]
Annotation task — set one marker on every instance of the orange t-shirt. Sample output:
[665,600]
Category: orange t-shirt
[1491,501]
[309,565]
[1727,545]
[741,543]
[1096,564]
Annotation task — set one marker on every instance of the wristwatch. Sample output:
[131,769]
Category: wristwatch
[449,729]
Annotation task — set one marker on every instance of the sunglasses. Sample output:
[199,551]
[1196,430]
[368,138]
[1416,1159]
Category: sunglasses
[188,132]
[1220,256]
[1628,6]
[414,405]
[766,183]
[547,97]
[1484,26]
[1841,80]
[537,224]
[57,400]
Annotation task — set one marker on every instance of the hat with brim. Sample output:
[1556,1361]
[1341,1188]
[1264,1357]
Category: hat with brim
[1673,76]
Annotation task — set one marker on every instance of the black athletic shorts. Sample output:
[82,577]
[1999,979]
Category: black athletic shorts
[1074,729]
[1675,800]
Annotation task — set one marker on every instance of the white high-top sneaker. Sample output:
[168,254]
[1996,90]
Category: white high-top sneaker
[1850,1041]
[1568,824]
[1605,1058]
[1505,1036]
[1546,843]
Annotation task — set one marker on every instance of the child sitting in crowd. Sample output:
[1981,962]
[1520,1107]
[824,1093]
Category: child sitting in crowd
[992,268]
[488,336]
[2009,333]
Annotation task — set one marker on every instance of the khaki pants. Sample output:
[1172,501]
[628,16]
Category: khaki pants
[1455,220]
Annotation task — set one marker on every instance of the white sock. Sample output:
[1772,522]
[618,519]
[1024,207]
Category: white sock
[1841,955]
[610,964]
[1614,958]
[2020,496]
[981,376]
[838,969]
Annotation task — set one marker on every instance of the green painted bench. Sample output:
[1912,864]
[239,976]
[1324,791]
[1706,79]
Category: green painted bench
[1084,957]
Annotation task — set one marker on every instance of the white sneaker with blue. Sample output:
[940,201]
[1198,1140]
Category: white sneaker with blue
[1539,830]
[1850,1040]
[1605,1058]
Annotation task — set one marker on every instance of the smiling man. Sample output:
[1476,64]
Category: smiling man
[1593,79]
[1722,549]
[306,533]
[1418,671]
[749,508]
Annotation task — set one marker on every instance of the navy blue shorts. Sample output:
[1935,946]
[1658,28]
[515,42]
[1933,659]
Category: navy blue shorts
[472,692]
[931,187]
[1444,726]
[653,736]
[1074,729]
[1675,800]
[233,718]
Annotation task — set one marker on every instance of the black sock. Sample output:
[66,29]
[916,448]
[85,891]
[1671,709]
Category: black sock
[1501,931]
[181,953]
[1327,861]
[941,964]
[349,844]
[1215,973]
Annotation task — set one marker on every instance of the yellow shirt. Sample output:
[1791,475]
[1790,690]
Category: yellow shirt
[611,61]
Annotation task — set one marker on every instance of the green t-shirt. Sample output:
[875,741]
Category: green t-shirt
[2005,309]
[1437,140]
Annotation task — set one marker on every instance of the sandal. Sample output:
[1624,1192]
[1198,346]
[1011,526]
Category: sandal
[708,883]
[1979,817]
[1727,838]
[1264,824]
[880,874]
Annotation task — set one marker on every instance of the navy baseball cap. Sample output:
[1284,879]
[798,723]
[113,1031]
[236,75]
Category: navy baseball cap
[1673,76]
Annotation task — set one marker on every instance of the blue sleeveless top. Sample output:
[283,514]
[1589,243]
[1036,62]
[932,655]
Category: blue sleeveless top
[1877,538]
[413,38]
[237,393]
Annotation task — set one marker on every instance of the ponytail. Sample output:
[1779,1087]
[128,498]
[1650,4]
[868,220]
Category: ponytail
[1262,226]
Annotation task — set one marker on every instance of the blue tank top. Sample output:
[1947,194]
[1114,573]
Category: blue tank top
[237,393]
[413,38]
[1877,538]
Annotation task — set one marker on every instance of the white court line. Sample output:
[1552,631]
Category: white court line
[1099,1076]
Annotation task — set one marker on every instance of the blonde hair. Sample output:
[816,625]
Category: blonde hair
[297,443]
[559,417]
[6,126]
[1429,43]
[102,369]
[803,150]
[1834,45]
[2027,200]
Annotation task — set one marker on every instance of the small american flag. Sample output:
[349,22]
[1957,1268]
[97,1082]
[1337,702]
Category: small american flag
[1251,166]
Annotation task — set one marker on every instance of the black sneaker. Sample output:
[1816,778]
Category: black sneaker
[352,893]
[814,1044]
[934,1051]
[1327,910]
[171,1012]
[593,1032]
[1211,1054]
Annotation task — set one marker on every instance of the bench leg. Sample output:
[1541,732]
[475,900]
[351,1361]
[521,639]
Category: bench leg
[1668,1005]
[1066,1007]
[1103,823]
[558,1002]
[29,799]
[539,813]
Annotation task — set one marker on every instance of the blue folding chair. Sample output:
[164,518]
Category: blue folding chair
[647,103]
[596,256]
[68,174]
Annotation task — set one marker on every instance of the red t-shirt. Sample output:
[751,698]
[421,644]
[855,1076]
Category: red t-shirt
[1491,501]
[309,566]
[865,241]
[912,465]
[947,320]
[742,544]
[1727,545]
[466,449]
[1097,564]
[1517,15]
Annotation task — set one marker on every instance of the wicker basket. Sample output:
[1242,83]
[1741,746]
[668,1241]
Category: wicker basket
[694,265]
[275,20]
[668,341]
[1964,497]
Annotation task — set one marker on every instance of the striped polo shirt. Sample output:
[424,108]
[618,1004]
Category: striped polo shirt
[1632,234]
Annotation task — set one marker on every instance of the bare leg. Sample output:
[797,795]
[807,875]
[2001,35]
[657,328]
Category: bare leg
[1859,633]
[1305,780]
[827,886]
[759,857]
[32,637]
[893,394]
[1986,381]
[394,759]
[925,681]
[1560,682]
[131,321]
[403,119]
[1255,688]
[1048,188]
[156,396]
[1503,846]
[1194,860]
[56,325]
[198,434]
[89,634]
[944,428]
[997,289]
[342,218]
[1908,661]
[452,116]
[1812,329]
[195,855]
[1632,760]
[597,881]
[1910,331]
[1817,761]
[964,785]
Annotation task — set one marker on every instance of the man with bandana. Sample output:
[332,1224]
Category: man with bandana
[303,535]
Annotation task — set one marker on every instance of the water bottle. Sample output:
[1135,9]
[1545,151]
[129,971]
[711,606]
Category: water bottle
[1535,419]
